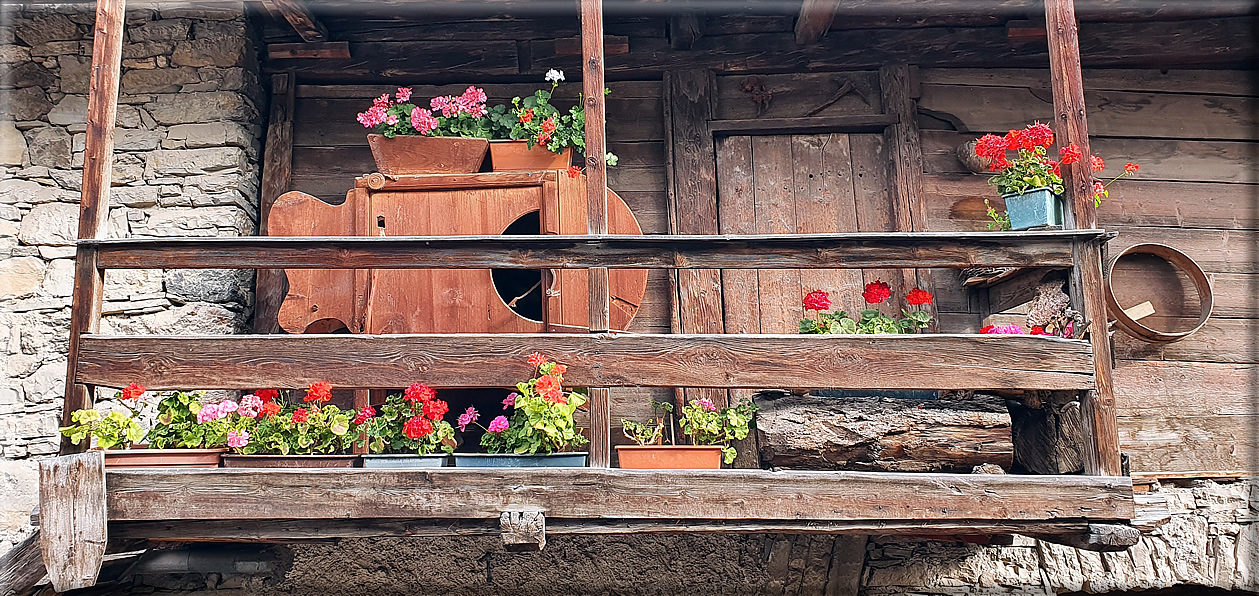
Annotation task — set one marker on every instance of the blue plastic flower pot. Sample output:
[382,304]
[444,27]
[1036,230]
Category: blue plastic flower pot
[513,460]
[406,460]
[1036,208]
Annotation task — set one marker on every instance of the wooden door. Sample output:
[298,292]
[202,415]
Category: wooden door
[801,184]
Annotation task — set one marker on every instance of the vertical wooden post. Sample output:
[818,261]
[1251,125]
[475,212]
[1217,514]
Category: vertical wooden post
[73,518]
[98,157]
[277,168]
[596,213]
[896,83]
[1101,453]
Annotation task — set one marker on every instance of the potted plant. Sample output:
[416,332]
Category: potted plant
[540,431]
[408,432]
[119,434]
[538,135]
[1031,183]
[871,320]
[448,137]
[263,433]
[709,428]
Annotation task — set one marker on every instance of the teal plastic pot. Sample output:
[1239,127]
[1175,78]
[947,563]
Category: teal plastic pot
[406,460]
[513,460]
[1036,208]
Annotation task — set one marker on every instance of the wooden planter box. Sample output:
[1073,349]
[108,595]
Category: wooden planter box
[143,457]
[516,156]
[290,461]
[669,457]
[410,154]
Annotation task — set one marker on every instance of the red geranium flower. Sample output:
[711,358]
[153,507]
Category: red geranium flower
[364,414]
[1039,134]
[417,427]
[1098,163]
[918,297]
[320,392]
[817,300]
[267,395]
[574,171]
[548,125]
[555,396]
[269,409]
[999,163]
[548,383]
[435,409]
[559,370]
[1070,154]
[536,359]
[418,393]
[526,116]
[991,146]
[986,328]
[876,292]
[1016,140]
[1054,167]
[301,415]
[1131,168]
[133,391]
[1037,330]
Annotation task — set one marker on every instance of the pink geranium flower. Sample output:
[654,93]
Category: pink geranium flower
[466,418]
[498,425]
[237,439]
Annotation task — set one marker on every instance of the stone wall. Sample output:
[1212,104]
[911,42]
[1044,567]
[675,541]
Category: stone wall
[186,164]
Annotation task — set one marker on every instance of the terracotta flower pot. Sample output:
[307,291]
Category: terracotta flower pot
[290,461]
[143,457]
[512,460]
[410,154]
[669,457]
[516,156]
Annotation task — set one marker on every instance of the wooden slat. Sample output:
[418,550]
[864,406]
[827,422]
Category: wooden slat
[219,494]
[73,524]
[803,125]
[22,567]
[765,251]
[1170,445]
[1101,439]
[277,175]
[596,215]
[815,18]
[299,16]
[98,157]
[929,361]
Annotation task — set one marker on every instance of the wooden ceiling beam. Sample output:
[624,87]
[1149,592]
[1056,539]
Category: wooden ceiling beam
[303,21]
[815,19]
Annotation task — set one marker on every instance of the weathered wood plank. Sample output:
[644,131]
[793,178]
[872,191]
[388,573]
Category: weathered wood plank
[303,21]
[217,494]
[22,566]
[804,125]
[596,360]
[797,95]
[815,18]
[763,251]
[277,175]
[592,49]
[1168,445]
[73,522]
[1212,82]
[1220,340]
[1190,389]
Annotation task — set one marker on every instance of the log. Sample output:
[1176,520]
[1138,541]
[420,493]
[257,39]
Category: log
[1048,439]
[73,522]
[22,567]
[883,434]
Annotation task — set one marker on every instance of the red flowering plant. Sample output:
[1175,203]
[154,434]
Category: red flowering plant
[259,424]
[113,429]
[1032,168]
[541,414]
[871,320]
[536,120]
[408,422]
[463,115]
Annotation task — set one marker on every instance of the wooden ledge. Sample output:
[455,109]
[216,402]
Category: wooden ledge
[768,251]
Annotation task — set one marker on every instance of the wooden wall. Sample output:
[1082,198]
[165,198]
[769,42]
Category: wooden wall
[1184,406]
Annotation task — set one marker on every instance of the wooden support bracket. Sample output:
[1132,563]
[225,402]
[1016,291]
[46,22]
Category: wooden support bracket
[73,522]
[523,531]
[1106,538]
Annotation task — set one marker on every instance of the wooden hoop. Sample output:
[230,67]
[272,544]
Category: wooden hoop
[1181,261]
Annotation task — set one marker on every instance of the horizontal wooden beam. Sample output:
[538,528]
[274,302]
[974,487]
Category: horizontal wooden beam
[590,493]
[324,49]
[929,361]
[778,251]
[803,125]
[290,530]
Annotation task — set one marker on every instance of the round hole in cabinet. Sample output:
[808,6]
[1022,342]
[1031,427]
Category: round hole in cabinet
[510,283]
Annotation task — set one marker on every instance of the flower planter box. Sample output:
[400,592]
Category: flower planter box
[406,460]
[669,457]
[1036,208]
[290,461]
[410,154]
[143,457]
[512,460]
[516,156]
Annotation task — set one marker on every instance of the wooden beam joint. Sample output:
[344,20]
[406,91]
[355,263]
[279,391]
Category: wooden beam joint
[523,531]
[303,21]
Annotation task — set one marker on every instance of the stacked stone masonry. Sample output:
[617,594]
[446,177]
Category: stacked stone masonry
[186,163]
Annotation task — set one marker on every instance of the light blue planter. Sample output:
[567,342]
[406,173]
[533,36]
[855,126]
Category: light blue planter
[406,460]
[1036,208]
[512,460]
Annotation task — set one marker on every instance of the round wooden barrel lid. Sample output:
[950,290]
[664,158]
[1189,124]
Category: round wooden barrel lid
[1177,259]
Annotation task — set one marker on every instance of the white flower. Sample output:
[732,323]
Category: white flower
[554,76]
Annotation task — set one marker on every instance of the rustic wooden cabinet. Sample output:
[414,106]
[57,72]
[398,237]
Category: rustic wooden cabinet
[450,300]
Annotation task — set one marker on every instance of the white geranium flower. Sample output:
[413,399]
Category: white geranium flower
[554,76]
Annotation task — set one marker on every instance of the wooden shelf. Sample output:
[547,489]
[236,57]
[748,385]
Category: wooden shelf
[771,251]
[745,498]
[925,361]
